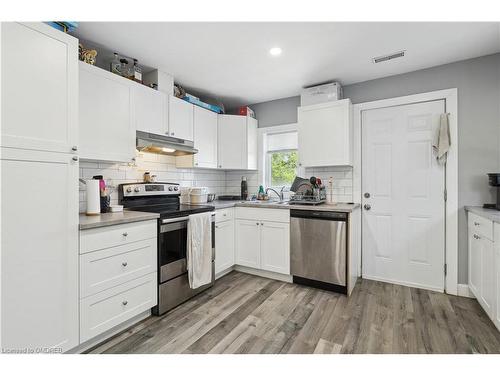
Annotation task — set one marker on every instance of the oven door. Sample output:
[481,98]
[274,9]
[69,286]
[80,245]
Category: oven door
[172,246]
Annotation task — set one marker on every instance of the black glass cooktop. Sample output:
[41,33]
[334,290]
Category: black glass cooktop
[170,210]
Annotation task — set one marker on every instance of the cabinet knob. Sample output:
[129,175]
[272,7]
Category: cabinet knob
[74,148]
[125,234]
[124,264]
[216,227]
[196,164]
[367,207]
[74,158]
[476,237]
[256,223]
[172,133]
[220,166]
[476,223]
[261,223]
[124,303]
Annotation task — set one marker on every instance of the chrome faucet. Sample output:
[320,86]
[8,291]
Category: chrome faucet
[280,194]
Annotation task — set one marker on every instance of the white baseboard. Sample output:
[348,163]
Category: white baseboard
[464,291]
[267,274]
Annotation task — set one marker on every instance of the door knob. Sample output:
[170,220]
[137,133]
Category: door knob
[367,195]
[367,207]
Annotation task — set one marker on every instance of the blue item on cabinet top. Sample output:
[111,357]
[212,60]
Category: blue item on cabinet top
[64,26]
[211,107]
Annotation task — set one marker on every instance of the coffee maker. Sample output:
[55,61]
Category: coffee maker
[494,180]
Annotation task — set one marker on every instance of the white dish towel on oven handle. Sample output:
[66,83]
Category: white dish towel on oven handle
[199,249]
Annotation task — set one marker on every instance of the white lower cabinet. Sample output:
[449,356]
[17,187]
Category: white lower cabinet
[484,264]
[261,243]
[118,279]
[39,250]
[224,245]
[247,234]
[275,247]
[103,311]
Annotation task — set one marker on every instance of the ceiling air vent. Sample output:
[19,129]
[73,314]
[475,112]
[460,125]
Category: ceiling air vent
[395,55]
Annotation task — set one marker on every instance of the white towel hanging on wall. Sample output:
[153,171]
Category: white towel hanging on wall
[442,143]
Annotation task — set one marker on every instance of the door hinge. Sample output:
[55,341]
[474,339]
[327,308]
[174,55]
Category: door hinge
[445,269]
[445,195]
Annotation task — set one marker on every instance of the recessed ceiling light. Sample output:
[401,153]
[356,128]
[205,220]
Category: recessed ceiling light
[275,51]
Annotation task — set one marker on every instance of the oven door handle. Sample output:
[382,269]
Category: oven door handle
[177,219]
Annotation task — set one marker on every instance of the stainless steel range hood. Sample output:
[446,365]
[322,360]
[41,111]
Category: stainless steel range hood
[161,144]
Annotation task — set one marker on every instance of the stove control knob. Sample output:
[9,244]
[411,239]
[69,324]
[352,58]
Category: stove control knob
[137,189]
[129,190]
[170,188]
[176,188]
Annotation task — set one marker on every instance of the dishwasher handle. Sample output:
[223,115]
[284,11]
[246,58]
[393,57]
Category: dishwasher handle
[320,215]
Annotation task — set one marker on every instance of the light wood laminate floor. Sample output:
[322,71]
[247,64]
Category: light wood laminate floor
[249,314]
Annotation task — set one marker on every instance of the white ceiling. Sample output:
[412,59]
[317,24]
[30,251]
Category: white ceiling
[231,60]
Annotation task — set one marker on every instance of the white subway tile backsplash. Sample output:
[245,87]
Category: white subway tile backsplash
[217,181]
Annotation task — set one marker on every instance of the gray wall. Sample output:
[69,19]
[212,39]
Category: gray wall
[478,84]
[277,112]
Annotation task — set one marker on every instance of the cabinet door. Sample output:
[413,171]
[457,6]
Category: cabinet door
[275,247]
[247,238]
[251,143]
[325,134]
[151,108]
[475,264]
[107,125]
[232,148]
[205,138]
[496,317]
[224,246]
[180,118]
[487,294]
[39,259]
[39,88]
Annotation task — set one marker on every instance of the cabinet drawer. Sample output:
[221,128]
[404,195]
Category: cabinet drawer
[104,269]
[103,311]
[224,215]
[116,235]
[263,214]
[481,226]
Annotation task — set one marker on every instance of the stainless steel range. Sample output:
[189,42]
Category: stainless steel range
[163,198]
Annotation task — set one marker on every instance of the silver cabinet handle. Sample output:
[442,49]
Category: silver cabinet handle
[125,234]
[124,264]
[74,148]
[367,207]
[367,195]
[476,223]
[74,158]
[124,303]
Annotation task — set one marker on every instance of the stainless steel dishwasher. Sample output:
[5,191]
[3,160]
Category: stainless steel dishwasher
[318,249]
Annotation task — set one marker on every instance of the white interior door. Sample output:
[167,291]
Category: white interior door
[403,196]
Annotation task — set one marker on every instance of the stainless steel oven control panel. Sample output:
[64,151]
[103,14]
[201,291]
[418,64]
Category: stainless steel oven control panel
[145,189]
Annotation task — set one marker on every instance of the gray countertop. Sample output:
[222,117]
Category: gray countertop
[339,207]
[488,213]
[114,218]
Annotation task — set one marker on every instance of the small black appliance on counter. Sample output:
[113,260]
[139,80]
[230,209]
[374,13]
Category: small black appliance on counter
[494,180]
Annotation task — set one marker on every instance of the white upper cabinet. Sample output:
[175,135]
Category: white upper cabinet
[39,87]
[237,145]
[325,134]
[107,120]
[151,110]
[205,138]
[180,118]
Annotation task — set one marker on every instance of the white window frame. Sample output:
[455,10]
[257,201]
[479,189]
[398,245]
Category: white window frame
[263,154]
